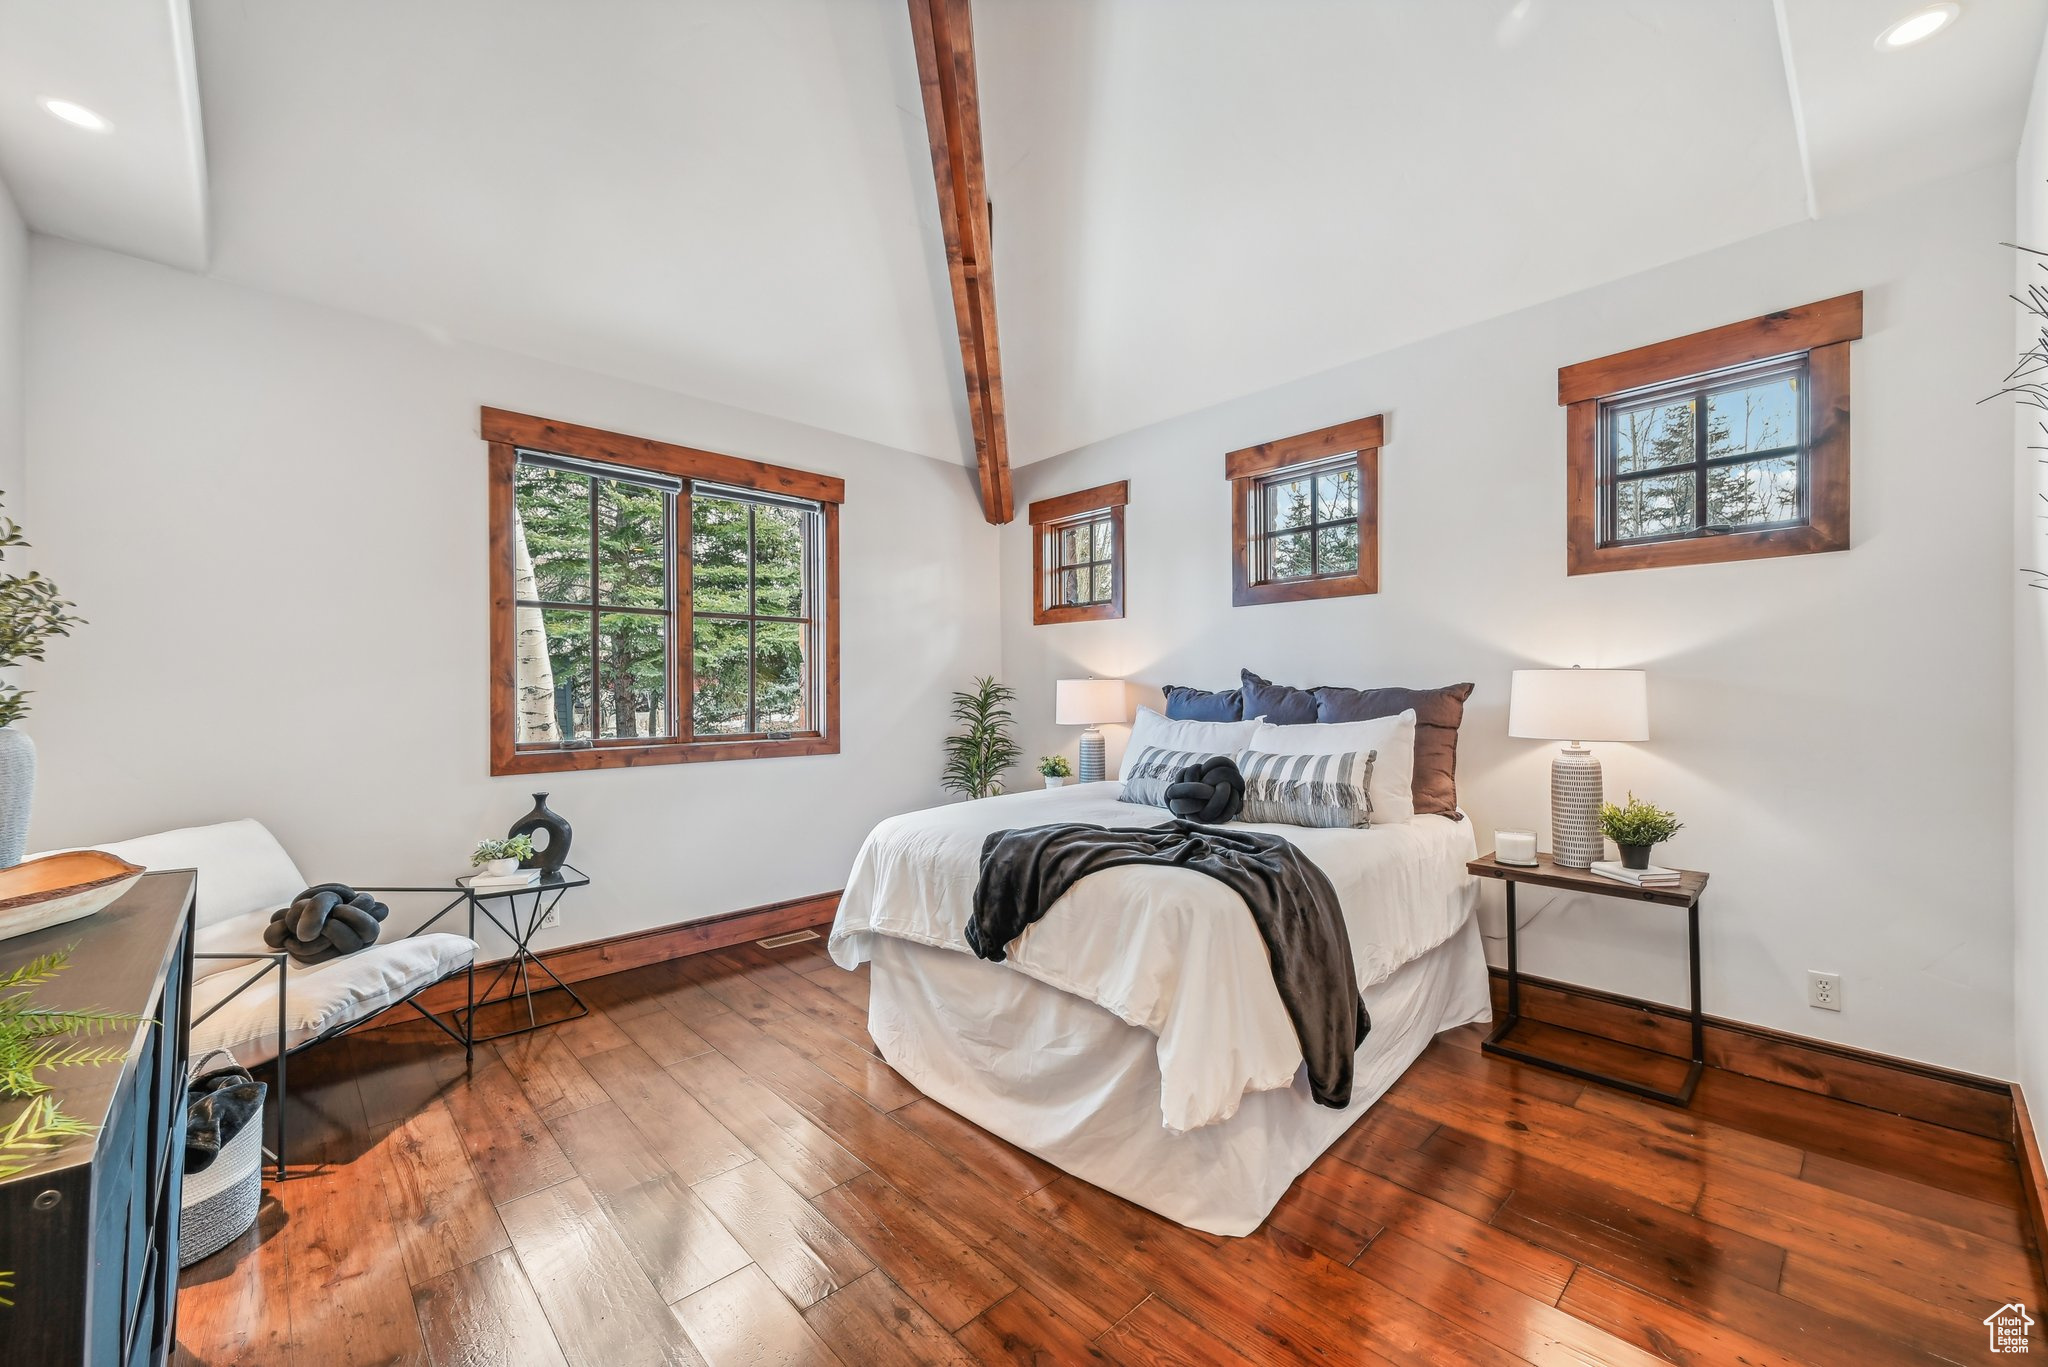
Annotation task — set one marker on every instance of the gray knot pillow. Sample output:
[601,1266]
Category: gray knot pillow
[326,922]
[1209,793]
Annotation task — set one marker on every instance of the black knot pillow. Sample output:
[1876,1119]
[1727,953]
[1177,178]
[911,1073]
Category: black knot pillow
[326,922]
[1209,793]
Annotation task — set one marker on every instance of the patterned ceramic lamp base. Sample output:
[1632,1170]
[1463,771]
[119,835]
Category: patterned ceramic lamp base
[1091,756]
[1575,797]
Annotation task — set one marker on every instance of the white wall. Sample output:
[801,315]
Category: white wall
[273,515]
[2030,638]
[13,325]
[1834,729]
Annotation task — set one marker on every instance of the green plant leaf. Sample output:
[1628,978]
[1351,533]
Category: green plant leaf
[1638,823]
[40,1128]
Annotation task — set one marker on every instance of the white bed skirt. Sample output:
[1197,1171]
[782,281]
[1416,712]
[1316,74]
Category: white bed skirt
[1067,1081]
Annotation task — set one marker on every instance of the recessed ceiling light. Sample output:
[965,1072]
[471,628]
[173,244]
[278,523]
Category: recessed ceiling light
[77,114]
[1918,26]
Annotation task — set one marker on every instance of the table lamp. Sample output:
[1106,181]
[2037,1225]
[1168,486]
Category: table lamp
[1577,705]
[1089,703]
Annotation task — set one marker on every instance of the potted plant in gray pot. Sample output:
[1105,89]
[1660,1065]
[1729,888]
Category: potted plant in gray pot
[1637,828]
[31,611]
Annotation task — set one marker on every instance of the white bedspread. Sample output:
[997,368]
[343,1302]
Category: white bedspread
[1169,950]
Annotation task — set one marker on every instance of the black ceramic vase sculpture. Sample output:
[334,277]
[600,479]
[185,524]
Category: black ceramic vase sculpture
[548,855]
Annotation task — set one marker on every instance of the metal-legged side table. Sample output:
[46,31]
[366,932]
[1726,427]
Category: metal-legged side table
[1549,874]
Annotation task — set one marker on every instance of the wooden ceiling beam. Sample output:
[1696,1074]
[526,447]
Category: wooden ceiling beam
[944,33]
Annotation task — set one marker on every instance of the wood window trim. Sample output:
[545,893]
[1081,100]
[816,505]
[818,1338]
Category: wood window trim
[1822,330]
[1044,515]
[506,433]
[1247,467]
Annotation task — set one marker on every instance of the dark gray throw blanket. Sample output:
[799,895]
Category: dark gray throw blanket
[217,1107]
[1291,901]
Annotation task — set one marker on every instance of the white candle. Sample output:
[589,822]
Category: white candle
[1514,847]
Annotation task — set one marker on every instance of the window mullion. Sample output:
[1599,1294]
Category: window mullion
[753,677]
[682,575]
[1699,448]
[596,707]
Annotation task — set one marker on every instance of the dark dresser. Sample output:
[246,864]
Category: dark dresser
[91,1232]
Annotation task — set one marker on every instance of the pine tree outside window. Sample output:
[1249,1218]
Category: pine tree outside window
[1709,455]
[656,604]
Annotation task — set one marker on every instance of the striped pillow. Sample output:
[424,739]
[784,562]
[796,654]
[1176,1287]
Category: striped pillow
[1149,773]
[1308,790]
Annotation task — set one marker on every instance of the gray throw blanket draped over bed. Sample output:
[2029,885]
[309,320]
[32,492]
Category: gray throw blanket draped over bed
[1024,872]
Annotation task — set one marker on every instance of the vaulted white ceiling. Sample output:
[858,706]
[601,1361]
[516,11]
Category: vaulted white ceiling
[1193,200]
[138,187]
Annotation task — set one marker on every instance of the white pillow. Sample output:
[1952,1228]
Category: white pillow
[242,868]
[1154,732]
[1393,774]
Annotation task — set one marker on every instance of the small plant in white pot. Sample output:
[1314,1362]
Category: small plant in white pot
[1056,771]
[501,857]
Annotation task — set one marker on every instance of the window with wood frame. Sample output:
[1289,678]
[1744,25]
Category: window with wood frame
[629,574]
[1077,556]
[1730,444]
[1304,519]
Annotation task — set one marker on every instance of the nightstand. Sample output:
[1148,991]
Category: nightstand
[1547,873]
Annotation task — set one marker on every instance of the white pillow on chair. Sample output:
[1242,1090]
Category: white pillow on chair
[242,868]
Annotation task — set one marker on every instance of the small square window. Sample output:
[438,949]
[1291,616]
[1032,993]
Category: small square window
[1306,515]
[1078,545]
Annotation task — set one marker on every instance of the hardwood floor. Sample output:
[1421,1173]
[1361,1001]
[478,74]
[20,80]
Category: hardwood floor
[716,1167]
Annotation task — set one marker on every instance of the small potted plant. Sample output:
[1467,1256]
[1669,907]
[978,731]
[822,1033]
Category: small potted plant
[1056,770]
[501,857]
[1636,828]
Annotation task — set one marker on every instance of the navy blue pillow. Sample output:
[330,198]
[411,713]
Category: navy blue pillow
[1277,703]
[1194,704]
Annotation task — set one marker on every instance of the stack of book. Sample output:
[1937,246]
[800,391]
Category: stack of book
[506,882]
[1652,877]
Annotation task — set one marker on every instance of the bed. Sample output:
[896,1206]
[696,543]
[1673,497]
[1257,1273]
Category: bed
[1134,1037]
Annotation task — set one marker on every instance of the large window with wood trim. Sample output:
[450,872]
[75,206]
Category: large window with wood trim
[654,603]
[1730,444]
[1305,515]
[1078,555]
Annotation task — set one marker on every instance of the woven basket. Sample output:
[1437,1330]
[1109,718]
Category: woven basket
[220,1202]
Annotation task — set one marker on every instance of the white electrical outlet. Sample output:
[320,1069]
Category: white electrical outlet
[1824,990]
[552,920]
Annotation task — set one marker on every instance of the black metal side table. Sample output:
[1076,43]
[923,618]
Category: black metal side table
[1547,873]
[519,922]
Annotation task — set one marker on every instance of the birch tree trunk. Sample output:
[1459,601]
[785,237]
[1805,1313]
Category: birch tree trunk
[534,679]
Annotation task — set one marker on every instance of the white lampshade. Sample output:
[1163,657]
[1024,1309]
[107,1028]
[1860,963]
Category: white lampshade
[1579,704]
[1090,702]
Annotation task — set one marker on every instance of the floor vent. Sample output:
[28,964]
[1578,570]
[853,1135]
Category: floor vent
[795,937]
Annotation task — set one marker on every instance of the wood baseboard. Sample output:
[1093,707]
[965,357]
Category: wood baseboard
[2026,1148]
[1960,1101]
[637,949]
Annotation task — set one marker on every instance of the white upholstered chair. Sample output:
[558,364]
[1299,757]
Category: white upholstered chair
[246,997]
